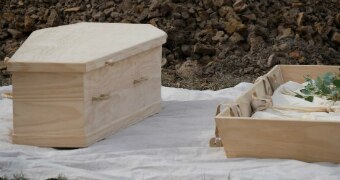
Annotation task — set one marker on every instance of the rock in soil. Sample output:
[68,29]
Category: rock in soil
[15,33]
[189,69]
[336,38]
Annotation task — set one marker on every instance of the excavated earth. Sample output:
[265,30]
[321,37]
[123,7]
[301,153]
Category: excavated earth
[212,44]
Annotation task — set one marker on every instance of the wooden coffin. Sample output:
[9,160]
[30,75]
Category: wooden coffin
[76,84]
[306,140]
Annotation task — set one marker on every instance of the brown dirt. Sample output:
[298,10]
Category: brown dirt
[212,44]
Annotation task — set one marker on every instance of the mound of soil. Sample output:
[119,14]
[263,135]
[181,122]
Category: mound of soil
[212,44]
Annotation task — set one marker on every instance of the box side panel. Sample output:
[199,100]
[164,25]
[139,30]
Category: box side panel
[46,67]
[48,107]
[122,93]
[47,86]
[147,81]
[297,73]
[302,140]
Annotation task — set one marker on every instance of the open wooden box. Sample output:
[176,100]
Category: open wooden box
[76,84]
[306,140]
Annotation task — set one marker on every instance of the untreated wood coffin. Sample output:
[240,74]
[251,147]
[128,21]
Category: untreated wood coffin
[76,84]
[306,140]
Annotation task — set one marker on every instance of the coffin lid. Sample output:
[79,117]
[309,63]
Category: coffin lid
[83,47]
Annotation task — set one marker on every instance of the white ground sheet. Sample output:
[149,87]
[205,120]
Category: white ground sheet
[170,145]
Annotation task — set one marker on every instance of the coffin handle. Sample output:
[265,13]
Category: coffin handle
[8,95]
[140,80]
[101,97]
[109,62]
[6,60]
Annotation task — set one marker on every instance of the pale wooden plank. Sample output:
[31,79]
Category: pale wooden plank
[45,67]
[310,141]
[147,85]
[296,73]
[48,118]
[63,141]
[123,122]
[125,97]
[83,47]
[47,86]
[84,140]
[47,105]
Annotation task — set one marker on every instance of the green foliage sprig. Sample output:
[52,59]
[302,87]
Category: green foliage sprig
[326,86]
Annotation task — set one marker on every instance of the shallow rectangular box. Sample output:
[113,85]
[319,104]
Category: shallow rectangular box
[306,140]
[76,84]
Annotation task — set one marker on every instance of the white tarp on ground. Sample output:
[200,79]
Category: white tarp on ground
[170,145]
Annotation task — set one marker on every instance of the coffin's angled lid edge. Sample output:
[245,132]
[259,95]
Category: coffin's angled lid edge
[83,47]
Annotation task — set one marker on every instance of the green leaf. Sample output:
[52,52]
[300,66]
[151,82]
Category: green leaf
[336,83]
[298,96]
[318,82]
[326,86]
[325,89]
[305,91]
[328,78]
[310,87]
[309,98]
[308,79]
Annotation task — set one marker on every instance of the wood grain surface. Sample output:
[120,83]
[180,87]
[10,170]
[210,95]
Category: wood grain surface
[78,109]
[125,96]
[306,140]
[83,47]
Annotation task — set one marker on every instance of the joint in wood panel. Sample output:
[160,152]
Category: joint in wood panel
[140,80]
[101,97]
[215,142]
